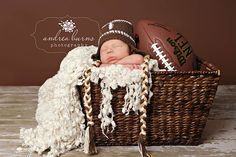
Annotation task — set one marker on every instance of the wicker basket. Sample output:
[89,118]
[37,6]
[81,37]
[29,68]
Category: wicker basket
[177,113]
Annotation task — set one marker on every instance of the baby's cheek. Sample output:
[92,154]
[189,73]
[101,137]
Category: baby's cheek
[103,58]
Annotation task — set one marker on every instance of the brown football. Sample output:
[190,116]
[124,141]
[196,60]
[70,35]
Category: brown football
[163,43]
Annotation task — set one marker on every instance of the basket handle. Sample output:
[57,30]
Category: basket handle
[209,66]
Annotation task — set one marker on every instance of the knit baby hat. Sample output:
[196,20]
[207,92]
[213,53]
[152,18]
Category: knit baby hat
[118,29]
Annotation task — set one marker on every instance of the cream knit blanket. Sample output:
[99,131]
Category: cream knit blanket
[59,114]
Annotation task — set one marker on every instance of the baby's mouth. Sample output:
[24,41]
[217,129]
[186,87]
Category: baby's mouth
[111,59]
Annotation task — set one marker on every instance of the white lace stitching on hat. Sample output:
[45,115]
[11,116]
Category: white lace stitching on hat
[117,20]
[117,32]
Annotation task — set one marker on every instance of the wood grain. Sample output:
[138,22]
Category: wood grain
[18,106]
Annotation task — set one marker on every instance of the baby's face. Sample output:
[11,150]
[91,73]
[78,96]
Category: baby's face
[113,50]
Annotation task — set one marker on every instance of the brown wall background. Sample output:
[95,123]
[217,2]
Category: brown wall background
[209,25]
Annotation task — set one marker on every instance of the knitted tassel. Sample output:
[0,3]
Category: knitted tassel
[143,111]
[89,144]
[142,148]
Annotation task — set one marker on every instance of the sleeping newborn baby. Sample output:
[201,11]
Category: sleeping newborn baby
[115,51]
[117,45]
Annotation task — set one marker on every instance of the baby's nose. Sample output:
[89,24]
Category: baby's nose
[109,50]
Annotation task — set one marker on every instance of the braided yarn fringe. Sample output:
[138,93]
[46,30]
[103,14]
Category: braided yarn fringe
[143,111]
[89,143]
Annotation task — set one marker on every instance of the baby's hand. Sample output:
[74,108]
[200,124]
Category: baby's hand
[130,66]
[133,66]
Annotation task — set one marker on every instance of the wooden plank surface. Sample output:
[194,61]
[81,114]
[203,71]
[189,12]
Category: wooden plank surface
[18,106]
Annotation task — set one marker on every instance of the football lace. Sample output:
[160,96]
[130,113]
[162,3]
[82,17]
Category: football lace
[162,57]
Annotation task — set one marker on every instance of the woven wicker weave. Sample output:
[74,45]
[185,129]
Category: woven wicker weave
[176,115]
